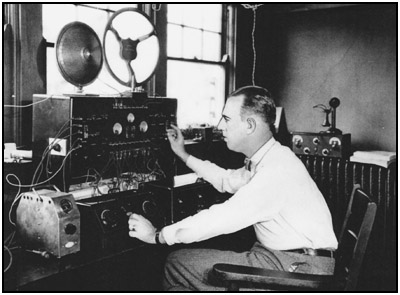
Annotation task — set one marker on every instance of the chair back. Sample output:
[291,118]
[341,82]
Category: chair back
[353,238]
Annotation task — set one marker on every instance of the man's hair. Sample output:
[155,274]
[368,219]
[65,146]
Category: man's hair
[257,100]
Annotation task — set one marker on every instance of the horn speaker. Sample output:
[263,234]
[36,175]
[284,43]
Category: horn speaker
[79,54]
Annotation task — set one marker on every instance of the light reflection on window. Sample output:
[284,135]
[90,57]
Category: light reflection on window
[200,89]
[195,33]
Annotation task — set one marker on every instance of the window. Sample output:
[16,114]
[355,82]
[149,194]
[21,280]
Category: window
[55,17]
[195,71]
[196,45]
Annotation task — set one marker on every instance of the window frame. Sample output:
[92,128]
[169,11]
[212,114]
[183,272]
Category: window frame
[31,20]
[228,48]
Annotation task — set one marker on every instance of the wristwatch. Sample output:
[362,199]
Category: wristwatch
[158,238]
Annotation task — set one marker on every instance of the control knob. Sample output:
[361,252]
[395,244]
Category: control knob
[316,140]
[109,218]
[70,229]
[325,152]
[298,141]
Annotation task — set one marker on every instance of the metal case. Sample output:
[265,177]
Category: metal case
[49,221]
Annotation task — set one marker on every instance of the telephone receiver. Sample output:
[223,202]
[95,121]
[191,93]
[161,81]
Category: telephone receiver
[334,102]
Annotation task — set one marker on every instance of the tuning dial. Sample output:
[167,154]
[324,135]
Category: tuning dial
[130,118]
[109,218]
[307,150]
[143,127]
[149,208]
[117,129]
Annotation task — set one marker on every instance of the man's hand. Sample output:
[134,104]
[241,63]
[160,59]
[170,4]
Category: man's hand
[177,142]
[141,228]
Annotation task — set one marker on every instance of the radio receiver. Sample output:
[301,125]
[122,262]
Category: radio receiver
[119,140]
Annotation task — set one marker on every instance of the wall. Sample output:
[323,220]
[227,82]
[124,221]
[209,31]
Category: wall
[307,57]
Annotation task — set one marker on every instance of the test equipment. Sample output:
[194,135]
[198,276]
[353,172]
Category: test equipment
[101,150]
[48,221]
[329,143]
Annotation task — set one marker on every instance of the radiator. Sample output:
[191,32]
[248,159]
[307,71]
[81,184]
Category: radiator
[335,178]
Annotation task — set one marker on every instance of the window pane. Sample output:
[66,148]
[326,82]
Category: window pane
[211,46]
[193,15]
[174,40]
[55,17]
[212,17]
[192,43]
[200,90]
[175,13]
[116,7]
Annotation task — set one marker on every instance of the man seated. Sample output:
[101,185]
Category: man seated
[273,192]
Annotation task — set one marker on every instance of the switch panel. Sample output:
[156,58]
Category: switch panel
[321,144]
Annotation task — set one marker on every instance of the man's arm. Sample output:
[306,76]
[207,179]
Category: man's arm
[222,179]
[177,142]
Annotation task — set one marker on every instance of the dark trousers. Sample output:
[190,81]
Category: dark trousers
[190,269]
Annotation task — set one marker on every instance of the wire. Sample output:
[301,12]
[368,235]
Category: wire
[254,8]
[63,128]
[28,105]
[113,88]
[16,198]
[11,258]
[43,182]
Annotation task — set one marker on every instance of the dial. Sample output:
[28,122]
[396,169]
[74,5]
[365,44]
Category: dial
[109,218]
[66,206]
[117,129]
[149,208]
[130,118]
[143,126]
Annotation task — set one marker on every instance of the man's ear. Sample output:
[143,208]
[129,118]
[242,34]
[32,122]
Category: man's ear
[251,125]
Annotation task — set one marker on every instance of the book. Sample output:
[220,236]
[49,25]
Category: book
[380,158]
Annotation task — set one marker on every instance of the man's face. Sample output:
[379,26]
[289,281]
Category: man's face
[232,126]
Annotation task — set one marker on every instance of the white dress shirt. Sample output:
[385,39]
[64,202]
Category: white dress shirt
[278,197]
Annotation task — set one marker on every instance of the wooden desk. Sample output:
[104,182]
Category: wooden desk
[135,269]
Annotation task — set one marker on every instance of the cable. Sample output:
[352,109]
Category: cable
[11,258]
[28,105]
[43,182]
[48,149]
[254,8]
[113,88]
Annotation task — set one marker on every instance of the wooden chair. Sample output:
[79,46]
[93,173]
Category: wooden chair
[353,240]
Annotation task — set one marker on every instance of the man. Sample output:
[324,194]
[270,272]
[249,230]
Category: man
[275,194]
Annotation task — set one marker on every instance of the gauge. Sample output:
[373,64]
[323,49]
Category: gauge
[117,129]
[66,205]
[130,117]
[143,126]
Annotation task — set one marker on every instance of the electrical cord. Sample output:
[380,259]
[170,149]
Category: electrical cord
[47,180]
[254,8]
[28,105]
